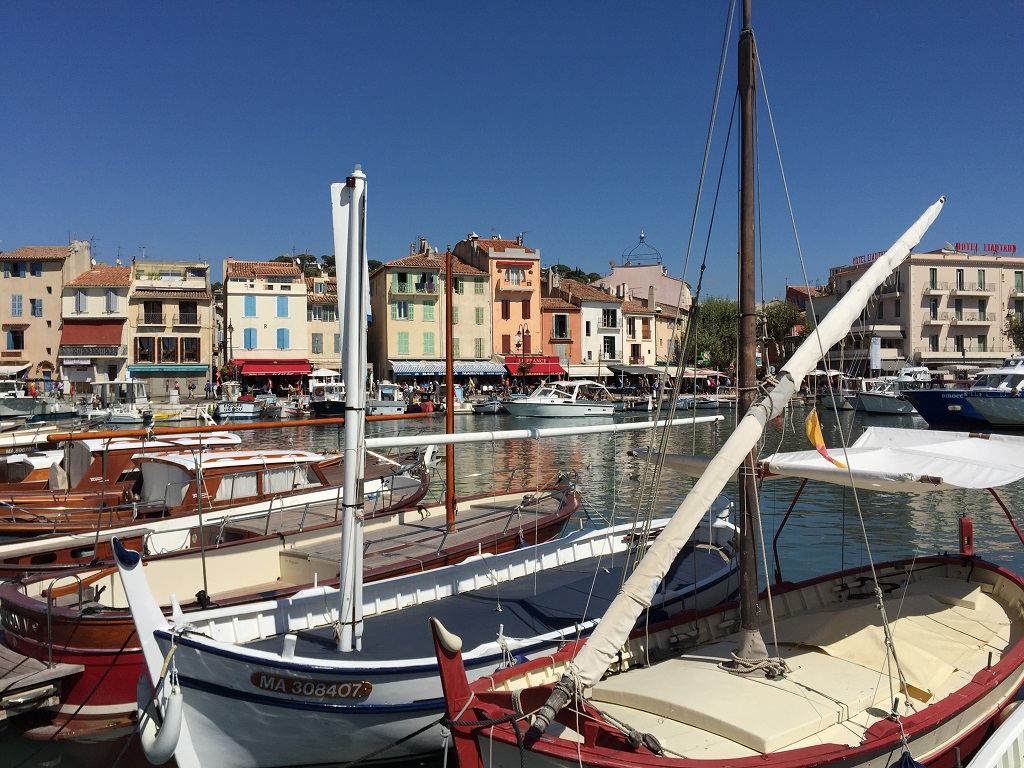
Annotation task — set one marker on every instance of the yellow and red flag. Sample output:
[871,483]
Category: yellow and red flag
[813,429]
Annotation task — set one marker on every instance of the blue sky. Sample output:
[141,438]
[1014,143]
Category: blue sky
[207,130]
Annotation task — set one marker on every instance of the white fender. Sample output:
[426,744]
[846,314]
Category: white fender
[158,740]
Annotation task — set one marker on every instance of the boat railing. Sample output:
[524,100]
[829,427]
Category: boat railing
[51,595]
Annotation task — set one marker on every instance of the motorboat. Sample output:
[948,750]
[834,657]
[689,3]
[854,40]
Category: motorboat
[948,408]
[576,397]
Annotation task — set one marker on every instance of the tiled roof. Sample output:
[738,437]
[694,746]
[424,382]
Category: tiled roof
[146,293]
[260,269]
[568,287]
[459,267]
[636,307]
[331,284]
[104,275]
[556,302]
[37,253]
[499,246]
[322,298]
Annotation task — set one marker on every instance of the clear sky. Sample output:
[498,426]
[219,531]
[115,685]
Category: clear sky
[213,129]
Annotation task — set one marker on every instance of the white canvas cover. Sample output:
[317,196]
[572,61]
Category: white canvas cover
[911,460]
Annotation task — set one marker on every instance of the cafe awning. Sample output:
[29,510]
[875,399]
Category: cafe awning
[274,367]
[91,333]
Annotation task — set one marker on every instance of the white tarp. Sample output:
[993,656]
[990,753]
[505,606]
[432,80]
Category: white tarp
[911,460]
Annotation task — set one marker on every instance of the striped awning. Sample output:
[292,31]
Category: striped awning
[438,368]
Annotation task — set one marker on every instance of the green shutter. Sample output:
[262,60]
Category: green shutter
[428,343]
[479,315]
[394,310]
[403,342]
[411,305]
[455,315]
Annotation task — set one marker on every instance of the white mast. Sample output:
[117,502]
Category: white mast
[348,203]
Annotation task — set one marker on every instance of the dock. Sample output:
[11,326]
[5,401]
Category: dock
[27,684]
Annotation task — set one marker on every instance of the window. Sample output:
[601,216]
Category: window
[188,312]
[608,348]
[320,288]
[631,328]
[933,277]
[982,308]
[455,315]
[880,311]
[283,338]
[478,288]
[330,313]
[456,348]
[80,302]
[152,313]
[506,343]
[981,279]
[316,344]
[401,310]
[933,343]
[145,349]
[526,309]
[110,301]
[982,342]
[959,279]
[36,306]
[282,306]
[933,309]
[560,327]
[958,344]
[588,328]
[168,349]
[479,315]
[958,309]
[478,347]
[1018,281]
[506,309]
[314,313]
[16,305]
[428,343]
[337,343]
[428,311]
[458,284]
[609,318]
[15,339]
[190,350]
[14,269]
[645,329]
[401,282]
[896,308]
[249,338]
[37,269]
[249,306]
[403,342]
[515,275]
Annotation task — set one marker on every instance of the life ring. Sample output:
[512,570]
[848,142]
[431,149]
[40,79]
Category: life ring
[318,392]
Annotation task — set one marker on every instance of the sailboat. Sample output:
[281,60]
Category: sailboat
[339,674]
[888,663]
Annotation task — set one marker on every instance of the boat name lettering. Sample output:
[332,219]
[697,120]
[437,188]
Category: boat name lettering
[313,689]
[18,624]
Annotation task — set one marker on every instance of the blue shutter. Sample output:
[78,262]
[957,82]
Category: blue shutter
[249,309]
[249,341]
[282,306]
[282,338]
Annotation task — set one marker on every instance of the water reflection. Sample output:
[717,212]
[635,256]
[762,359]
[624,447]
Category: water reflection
[822,534]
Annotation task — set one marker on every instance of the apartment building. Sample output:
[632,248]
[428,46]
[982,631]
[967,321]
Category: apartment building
[944,308]
[322,324]
[94,339]
[265,310]
[33,280]
[408,333]
[172,325]
[600,328]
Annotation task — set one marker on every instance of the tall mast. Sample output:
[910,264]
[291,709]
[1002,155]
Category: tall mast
[751,644]
[449,393]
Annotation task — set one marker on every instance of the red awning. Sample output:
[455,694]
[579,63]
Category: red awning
[92,333]
[274,367]
[504,263]
[536,369]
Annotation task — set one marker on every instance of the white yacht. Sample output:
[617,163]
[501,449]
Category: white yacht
[579,397]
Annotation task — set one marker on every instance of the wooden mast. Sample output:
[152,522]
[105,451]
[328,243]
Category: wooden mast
[449,393]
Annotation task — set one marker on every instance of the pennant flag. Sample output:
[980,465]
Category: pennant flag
[813,429]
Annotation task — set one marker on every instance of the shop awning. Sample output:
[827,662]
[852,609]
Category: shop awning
[888,333]
[478,368]
[13,370]
[536,369]
[584,371]
[638,370]
[168,368]
[417,367]
[274,367]
[91,333]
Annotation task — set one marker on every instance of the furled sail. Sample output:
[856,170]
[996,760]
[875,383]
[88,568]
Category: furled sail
[638,592]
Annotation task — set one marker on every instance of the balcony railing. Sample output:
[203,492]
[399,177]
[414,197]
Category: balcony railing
[973,317]
[961,288]
[426,288]
[187,318]
[559,337]
[507,285]
[636,360]
[151,318]
[933,289]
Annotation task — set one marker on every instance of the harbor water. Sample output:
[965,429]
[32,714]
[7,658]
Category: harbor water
[822,535]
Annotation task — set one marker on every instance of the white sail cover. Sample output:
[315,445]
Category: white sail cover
[637,593]
[910,460]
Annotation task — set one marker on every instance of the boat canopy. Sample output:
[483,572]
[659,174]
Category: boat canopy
[910,460]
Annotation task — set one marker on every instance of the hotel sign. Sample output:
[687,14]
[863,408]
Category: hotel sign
[868,258]
[988,247]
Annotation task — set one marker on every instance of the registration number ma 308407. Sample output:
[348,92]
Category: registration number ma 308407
[311,689]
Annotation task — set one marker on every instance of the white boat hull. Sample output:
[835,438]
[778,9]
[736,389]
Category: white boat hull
[1003,411]
[872,402]
[559,410]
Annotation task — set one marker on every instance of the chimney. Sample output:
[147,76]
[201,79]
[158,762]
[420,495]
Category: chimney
[412,249]
[519,239]
[650,298]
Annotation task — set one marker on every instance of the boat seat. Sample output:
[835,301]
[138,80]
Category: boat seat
[303,567]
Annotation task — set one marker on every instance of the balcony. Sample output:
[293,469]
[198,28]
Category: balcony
[973,289]
[560,338]
[941,318]
[187,318]
[973,318]
[636,361]
[151,318]
[936,289]
[414,288]
[891,290]
[509,286]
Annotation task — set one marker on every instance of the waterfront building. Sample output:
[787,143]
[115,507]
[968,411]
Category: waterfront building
[172,328]
[945,309]
[322,327]
[560,327]
[601,328]
[265,305]
[407,333]
[94,335]
[34,278]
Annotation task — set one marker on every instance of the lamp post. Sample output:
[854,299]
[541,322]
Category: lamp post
[522,342]
[231,329]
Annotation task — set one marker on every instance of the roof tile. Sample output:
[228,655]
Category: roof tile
[103,275]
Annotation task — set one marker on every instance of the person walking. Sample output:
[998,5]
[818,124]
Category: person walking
[191,389]
[209,389]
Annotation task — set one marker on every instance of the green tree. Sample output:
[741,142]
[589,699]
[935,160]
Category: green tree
[780,317]
[1013,330]
[717,331]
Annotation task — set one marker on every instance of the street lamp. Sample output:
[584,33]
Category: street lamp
[231,329]
[522,342]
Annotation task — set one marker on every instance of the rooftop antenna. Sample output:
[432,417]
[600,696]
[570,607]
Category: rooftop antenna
[642,252]
[143,249]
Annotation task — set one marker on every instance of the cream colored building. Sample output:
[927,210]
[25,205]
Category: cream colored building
[407,334]
[940,309]
[33,279]
[322,322]
[94,340]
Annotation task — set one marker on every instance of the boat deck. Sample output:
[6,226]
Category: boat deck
[554,599]
[27,684]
